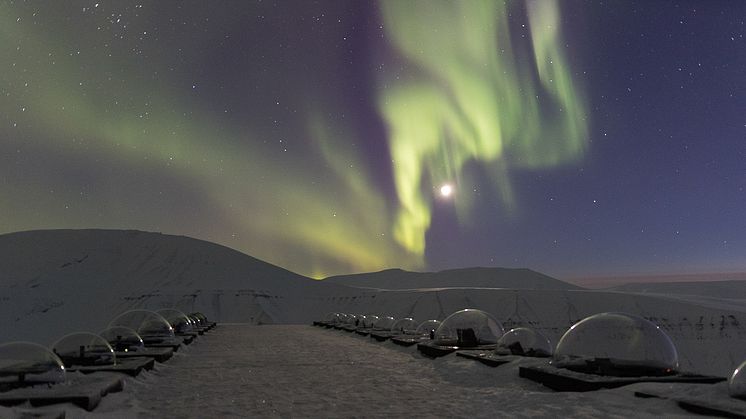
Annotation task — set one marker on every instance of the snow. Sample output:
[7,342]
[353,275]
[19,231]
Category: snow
[730,294]
[240,370]
[470,277]
[51,281]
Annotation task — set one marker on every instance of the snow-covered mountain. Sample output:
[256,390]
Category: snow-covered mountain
[470,277]
[59,281]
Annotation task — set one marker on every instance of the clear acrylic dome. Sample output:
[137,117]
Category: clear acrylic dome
[468,328]
[201,318]
[84,349]
[737,382]
[405,326]
[351,318]
[179,321]
[368,321]
[617,344]
[25,363]
[151,326]
[195,321]
[122,339]
[427,327]
[524,342]
[384,323]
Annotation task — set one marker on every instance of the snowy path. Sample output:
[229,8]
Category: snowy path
[302,371]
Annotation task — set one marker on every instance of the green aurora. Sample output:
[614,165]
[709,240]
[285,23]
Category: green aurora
[468,98]
[469,93]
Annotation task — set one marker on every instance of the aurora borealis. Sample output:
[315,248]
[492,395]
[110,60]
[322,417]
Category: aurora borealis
[578,137]
[470,99]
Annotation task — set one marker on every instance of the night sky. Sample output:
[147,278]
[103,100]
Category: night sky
[577,138]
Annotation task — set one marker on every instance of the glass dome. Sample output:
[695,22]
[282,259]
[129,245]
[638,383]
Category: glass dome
[25,363]
[368,321]
[468,328]
[616,344]
[342,318]
[737,382]
[122,339]
[84,349]
[384,323]
[352,318]
[405,326]
[178,320]
[427,328]
[151,326]
[195,321]
[201,318]
[524,342]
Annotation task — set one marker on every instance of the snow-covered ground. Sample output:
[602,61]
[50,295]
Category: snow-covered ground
[241,370]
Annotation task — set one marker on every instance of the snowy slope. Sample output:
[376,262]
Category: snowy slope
[54,282]
[470,277]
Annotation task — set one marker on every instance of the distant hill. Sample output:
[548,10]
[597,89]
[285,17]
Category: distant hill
[158,260]
[470,277]
[58,281]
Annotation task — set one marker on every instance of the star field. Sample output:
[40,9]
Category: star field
[577,138]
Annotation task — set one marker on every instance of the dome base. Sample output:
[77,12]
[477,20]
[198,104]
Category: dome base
[563,379]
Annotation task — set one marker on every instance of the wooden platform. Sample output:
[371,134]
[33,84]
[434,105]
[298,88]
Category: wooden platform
[405,340]
[83,391]
[127,365]
[487,358]
[433,350]
[174,345]
[188,337]
[363,331]
[381,336]
[201,330]
[158,354]
[562,379]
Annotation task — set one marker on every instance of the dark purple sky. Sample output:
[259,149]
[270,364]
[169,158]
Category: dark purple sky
[590,138]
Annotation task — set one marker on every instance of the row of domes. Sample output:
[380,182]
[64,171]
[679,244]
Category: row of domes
[26,363]
[609,343]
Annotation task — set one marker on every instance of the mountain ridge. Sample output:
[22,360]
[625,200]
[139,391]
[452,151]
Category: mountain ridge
[476,277]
